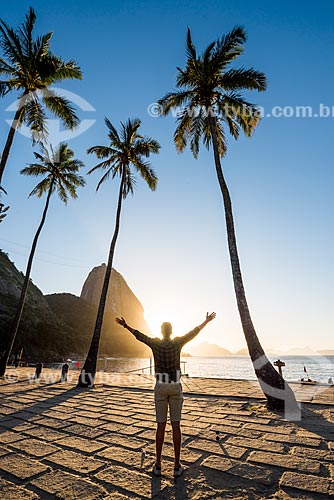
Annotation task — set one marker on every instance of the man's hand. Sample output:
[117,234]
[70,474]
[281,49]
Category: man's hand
[210,317]
[121,321]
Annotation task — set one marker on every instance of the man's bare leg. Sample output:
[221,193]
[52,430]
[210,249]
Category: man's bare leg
[159,441]
[177,442]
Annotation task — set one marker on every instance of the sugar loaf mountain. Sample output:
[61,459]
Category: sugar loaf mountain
[59,326]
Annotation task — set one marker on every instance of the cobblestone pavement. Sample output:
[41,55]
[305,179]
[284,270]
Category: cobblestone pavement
[60,442]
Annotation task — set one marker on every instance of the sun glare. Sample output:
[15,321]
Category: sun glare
[155,321]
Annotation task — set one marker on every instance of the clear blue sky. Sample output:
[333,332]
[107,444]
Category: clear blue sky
[172,246]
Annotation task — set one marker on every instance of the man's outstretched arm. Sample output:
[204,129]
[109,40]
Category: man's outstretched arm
[189,336]
[139,336]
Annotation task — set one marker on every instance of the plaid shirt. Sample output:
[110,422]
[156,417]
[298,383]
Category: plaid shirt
[167,354]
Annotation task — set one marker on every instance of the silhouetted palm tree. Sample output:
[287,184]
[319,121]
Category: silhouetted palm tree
[3,208]
[29,67]
[126,149]
[60,174]
[208,100]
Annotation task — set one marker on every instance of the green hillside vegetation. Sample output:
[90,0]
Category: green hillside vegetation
[57,326]
[80,316]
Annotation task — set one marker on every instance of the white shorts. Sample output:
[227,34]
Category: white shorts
[168,395]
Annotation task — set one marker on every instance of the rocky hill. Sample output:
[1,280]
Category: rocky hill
[120,300]
[58,326]
[41,331]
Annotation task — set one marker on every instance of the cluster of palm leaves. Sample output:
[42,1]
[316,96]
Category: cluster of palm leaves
[209,99]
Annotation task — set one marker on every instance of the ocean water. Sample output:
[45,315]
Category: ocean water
[319,368]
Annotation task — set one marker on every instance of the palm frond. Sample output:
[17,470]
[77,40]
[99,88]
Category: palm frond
[101,151]
[146,172]
[62,108]
[145,147]
[181,133]
[35,117]
[190,48]
[229,47]
[42,187]
[173,100]
[65,70]
[25,32]
[250,79]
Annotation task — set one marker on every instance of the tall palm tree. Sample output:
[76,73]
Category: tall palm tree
[126,149]
[209,98]
[29,67]
[60,174]
[3,208]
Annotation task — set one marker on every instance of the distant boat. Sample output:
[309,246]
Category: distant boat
[308,380]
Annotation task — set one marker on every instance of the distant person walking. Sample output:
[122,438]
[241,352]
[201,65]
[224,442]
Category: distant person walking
[38,371]
[64,372]
[168,388]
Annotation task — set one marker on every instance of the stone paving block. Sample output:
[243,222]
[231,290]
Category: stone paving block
[54,423]
[85,421]
[285,461]
[231,423]
[122,455]
[210,420]
[255,420]
[191,431]
[150,434]
[149,417]
[129,430]
[6,410]
[24,426]
[331,471]
[240,469]
[121,440]
[92,414]
[10,491]
[119,496]
[256,444]
[45,433]
[75,461]
[188,456]
[111,426]
[85,431]
[56,414]
[20,466]
[34,447]
[199,424]
[82,444]
[10,437]
[219,448]
[308,483]
[122,413]
[292,439]
[270,428]
[67,486]
[129,480]
[313,454]
[227,429]
[120,420]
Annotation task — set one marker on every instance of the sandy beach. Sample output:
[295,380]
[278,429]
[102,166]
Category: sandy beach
[60,442]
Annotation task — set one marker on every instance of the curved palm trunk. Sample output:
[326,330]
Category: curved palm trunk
[20,306]
[278,393]
[9,141]
[88,372]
